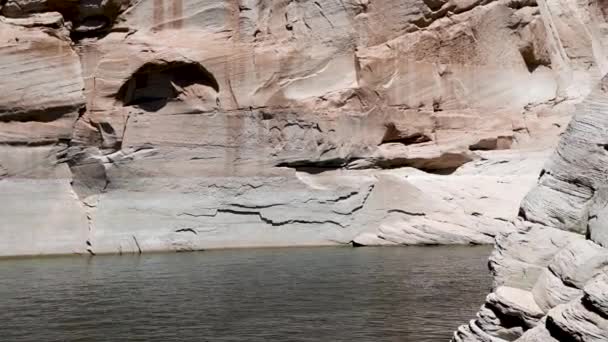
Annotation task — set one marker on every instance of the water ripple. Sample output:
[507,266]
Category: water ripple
[304,294]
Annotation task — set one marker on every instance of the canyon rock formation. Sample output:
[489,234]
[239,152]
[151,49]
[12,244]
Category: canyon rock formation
[136,126]
[551,274]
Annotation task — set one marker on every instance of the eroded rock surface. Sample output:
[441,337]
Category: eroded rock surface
[133,126]
[551,276]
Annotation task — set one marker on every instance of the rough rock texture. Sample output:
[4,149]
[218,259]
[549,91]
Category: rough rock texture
[134,126]
[551,276]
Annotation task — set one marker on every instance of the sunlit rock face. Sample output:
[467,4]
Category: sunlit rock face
[135,126]
[551,275]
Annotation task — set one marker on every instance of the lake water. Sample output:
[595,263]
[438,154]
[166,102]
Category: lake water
[414,294]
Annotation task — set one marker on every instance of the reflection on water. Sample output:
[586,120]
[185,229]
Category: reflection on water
[413,294]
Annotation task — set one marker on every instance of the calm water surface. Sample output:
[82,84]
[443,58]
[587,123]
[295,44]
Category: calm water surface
[412,294]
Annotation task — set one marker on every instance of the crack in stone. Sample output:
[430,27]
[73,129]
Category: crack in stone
[360,206]
[198,215]
[277,223]
[405,212]
[136,244]
[184,230]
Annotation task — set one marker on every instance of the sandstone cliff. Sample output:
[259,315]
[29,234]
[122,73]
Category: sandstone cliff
[550,276]
[551,280]
[130,126]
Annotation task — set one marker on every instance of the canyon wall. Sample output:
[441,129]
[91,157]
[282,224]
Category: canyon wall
[186,124]
[551,274]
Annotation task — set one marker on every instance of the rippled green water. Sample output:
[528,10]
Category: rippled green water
[412,294]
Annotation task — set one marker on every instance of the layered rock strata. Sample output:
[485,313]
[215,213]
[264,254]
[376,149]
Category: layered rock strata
[186,124]
[551,276]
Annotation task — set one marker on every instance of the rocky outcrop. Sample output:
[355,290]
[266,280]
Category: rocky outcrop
[551,276]
[182,125]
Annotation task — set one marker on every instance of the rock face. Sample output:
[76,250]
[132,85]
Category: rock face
[551,275]
[130,126]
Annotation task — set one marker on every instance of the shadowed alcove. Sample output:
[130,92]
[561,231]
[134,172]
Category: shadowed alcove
[155,83]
